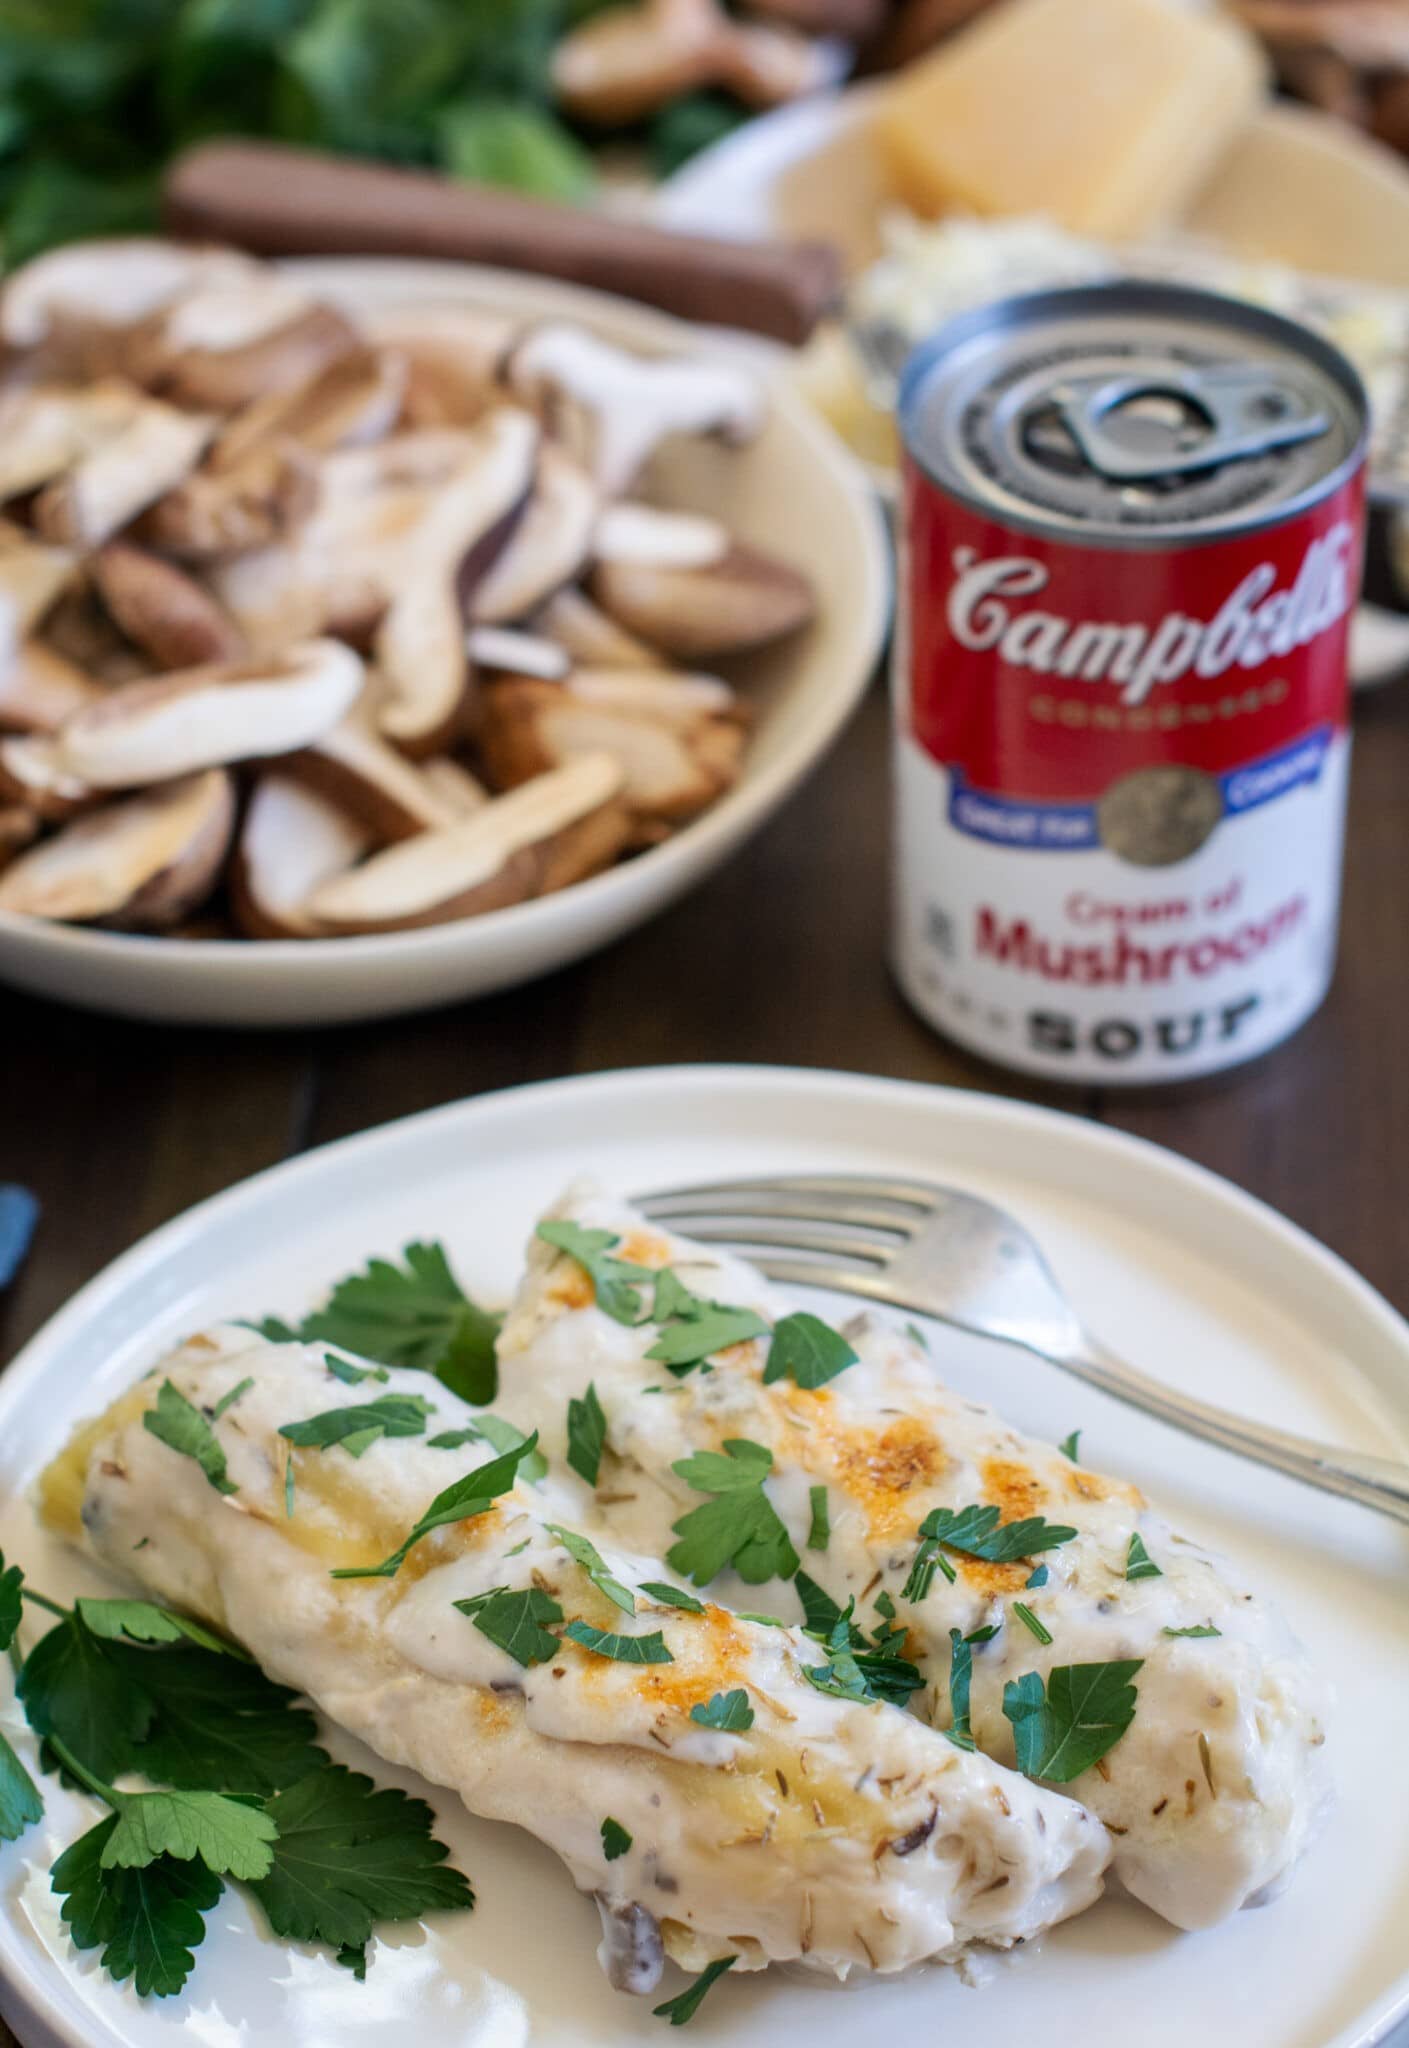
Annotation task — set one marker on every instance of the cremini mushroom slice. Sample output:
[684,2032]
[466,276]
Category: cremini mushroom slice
[256,501]
[128,471]
[45,429]
[420,644]
[39,689]
[612,408]
[349,402]
[31,578]
[203,717]
[113,283]
[499,855]
[141,864]
[677,739]
[353,766]
[524,654]
[223,347]
[739,602]
[291,841]
[168,614]
[628,61]
[453,783]
[668,540]
[548,545]
[588,635]
[33,774]
[453,356]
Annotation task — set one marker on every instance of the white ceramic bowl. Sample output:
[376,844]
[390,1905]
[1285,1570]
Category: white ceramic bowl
[795,490]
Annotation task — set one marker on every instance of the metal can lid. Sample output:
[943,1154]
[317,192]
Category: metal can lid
[1137,413]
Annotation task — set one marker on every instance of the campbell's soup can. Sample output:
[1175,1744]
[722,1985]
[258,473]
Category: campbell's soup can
[1131,543]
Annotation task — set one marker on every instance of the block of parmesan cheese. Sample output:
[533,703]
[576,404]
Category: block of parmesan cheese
[1105,115]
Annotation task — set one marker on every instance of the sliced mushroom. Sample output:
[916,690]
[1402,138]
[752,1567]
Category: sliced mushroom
[666,540]
[291,841]
[351,401]
[500,855]
[19,828]
[127,472]
[613,408]
[742,601]
[162,610]
[453,783]
[34,775]
[39,689]
[254,502]
[352,766]
[588,636]
[204,717]
[116,282]
[420,644]
[45,429]
[221,349]
[83,631]
[677,739]
[31,578]
[138,865]
[548,546]
[453,354]
[524,654]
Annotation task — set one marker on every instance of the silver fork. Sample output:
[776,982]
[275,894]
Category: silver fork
[943,1253]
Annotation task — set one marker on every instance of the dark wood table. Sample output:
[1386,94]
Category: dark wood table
[780,958]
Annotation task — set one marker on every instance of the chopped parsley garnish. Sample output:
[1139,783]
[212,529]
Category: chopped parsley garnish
[917,1336]
[290,1479]
[357,1429]
[763,1620]
[819,1534]
[739,1526]
[183,1428]
[686,2004]
[1138,1562]
[492,1429]
[820,1612]
[515,1621]
[975,1531]
[1038,1577]
[697,1329]
[671,1596]
[1029,1621]
[353,1375]
[453,1439]
[856,1669]
[20,1803]
[142,1621]
[961,1669]
[227,1401]
[730,1712]
[929,1559]
[807,1351]
[616,1283]
[1203,1629]
[1061,1730]
[615,1839]
[587,1435]
[11,1601]
[467,1497]
[594,1564]
[1070,1446]
[646,1649]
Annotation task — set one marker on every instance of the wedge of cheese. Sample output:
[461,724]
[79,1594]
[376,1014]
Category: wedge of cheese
[1105,115]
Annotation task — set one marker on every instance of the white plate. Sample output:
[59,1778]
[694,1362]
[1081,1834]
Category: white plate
[1190,1277]
[794,490]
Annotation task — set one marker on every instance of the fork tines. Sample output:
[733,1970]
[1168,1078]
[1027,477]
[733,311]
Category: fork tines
[855,1217]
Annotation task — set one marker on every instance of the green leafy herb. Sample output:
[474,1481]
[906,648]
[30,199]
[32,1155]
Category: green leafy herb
[176,1423]
[806,1350]
[645,1649]
[917,1336]
[499,142]
[357,1429]
[740,1526]
[290,1481]
[615,1839]
[1038,1577]
[820,1612]
[216,1723]
[81,1689]
[141,1621]
[11,1603]
[856,1670]
[961,1668]
[587,1435]
[1203,1629]
[227,1401]
[20,1803]
[929,1559]
[1070,1446]
[229,1837]
[146,1921]
[763,1620]
[415,1314]
[515,1622]
[702,1330]
[728,1711]
[594,1564]
[353,1375]
[1029,1621]
[503,1436]
[1084,1710]
[672,1298]
[686,2004]
[348,1855]
[819,1534]
[671,1596]
[616,1283]
[976,1532]
[460,1502]
[1138,1562]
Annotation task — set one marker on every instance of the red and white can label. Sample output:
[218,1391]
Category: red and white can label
[1121,782]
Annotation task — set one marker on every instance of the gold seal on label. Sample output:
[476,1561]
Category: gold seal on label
[1159,815]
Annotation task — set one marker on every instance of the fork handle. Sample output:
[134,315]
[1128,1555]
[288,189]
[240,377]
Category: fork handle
[1381,1483]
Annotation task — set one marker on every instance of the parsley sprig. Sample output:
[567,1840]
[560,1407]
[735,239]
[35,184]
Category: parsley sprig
[976,1531]
[1061,1729]
[856,1668]
[739,1526]
[616,1283]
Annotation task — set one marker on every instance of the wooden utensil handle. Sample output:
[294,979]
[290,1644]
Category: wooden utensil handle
[290,202]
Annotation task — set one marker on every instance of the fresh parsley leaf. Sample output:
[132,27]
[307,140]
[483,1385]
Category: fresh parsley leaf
[686,2004]
[176,1423]
[820,1612]
[1070,1446]
[885,1606]
[616,1283]
[142,1621]
[503,1436]
[710,1327]
[453,1439]
[819,1534]
[1203,1629]
[348,1855]
[671,1596]
[740,1526]
[763,1620]
[1083,1712]
[227,1401]
[728,1711]
[1138,1562]
[357,1429]
[459,1502]
[647,1649]
[594,1564]
[1029,1621]
[415,1314]
[229,1837]
[217,1724]
[961,1668]
[587,1435]
[273,1329]
[672,1298]
[11,1604]
[20,1802]
[353,1956]
[515,1622]
[807,1351]
[917,1336]
[615,1839]
[929,1559]
[353,1375]
[1035,1578]
[982,1635]
[79,1688]
[146,1921]
[856,1670]
[976,1532]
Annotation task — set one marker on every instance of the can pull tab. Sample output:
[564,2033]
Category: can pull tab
[1166,423]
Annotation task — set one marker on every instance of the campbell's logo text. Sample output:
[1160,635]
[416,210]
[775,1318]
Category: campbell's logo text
[1255,623]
